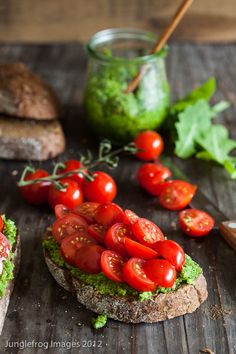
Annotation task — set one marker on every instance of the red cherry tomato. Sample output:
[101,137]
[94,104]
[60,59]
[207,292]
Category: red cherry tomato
[88,258]
[130,217]
[147,232]
[37,193]
[195,222]
[161,272]
[4,247]
[151,143]
[109,214]
[72,243]
[68,225]
[1,224]
[102,189]
[97,231]
[172,252]
[177,195]
[137,250]
[151,175]
[70,196]
[114,238]
[135,276]
[87,211]
[112,265]
[61,210]
[71,165]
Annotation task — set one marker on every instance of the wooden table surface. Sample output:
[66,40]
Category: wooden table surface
[40,310]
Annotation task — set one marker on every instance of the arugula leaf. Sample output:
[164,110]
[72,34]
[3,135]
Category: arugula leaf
[204,92]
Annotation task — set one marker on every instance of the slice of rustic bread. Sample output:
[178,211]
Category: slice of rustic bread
[24,94]
[186,299]
[29,139]
[4,301]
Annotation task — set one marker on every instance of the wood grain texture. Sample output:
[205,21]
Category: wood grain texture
[42,311]
[73,20]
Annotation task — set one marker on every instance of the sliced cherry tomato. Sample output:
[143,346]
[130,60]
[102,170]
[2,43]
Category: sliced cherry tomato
[137,250]
[4,247]
[135,276]
[87,211]
[67,225]
[114,238]
[71,165]
[88,258]
[112,264]
[70,196]
[172,252]
[109,214]
[1,266]
[150,175]
[97,231]
[130,217]
[102,189]
[1,224]
[151,144]
[37,193]
[147,232]
[161,272]
[72,243]
[177,195]
[196,222]
[61,210]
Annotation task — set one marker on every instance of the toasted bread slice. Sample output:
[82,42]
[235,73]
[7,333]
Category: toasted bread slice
[186,299]
[4,301]
[24,94]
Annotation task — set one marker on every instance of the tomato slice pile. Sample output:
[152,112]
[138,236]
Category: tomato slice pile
[195,223]
[127,251]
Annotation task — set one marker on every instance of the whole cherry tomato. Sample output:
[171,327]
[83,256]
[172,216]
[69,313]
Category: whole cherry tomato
[88,258]
[151,144]
[172,252]
[71,165]
[196,222]
[37,193]
[151,175]
[102,189]
[70,196]
[161,272]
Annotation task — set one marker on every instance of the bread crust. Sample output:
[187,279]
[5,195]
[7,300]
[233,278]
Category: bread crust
[4,301]
[186,299]
[24,94]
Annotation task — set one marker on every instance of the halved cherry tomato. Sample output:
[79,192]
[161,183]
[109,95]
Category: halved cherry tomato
[70,196]
[151,143]
[87,210]
[114,238]
[112,264]
[97,231]
[102,189]
[36,193]
[109,214]
[61,210]
[137,250]
[72,243]
[177,195]
[88,258]
[147,232]
[1,224]
[196,222]
[172,252]
[67,225]
[161,272]
[4,247]
[71,165]
[130,217]
[150,175]
[135,276]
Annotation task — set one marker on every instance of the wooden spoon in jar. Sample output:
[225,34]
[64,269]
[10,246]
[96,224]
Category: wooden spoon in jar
[162,40]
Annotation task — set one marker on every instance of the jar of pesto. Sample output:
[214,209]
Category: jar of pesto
[116,56]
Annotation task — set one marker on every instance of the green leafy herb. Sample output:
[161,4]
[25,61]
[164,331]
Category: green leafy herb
[99,322]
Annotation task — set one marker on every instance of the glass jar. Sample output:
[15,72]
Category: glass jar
[116,56]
